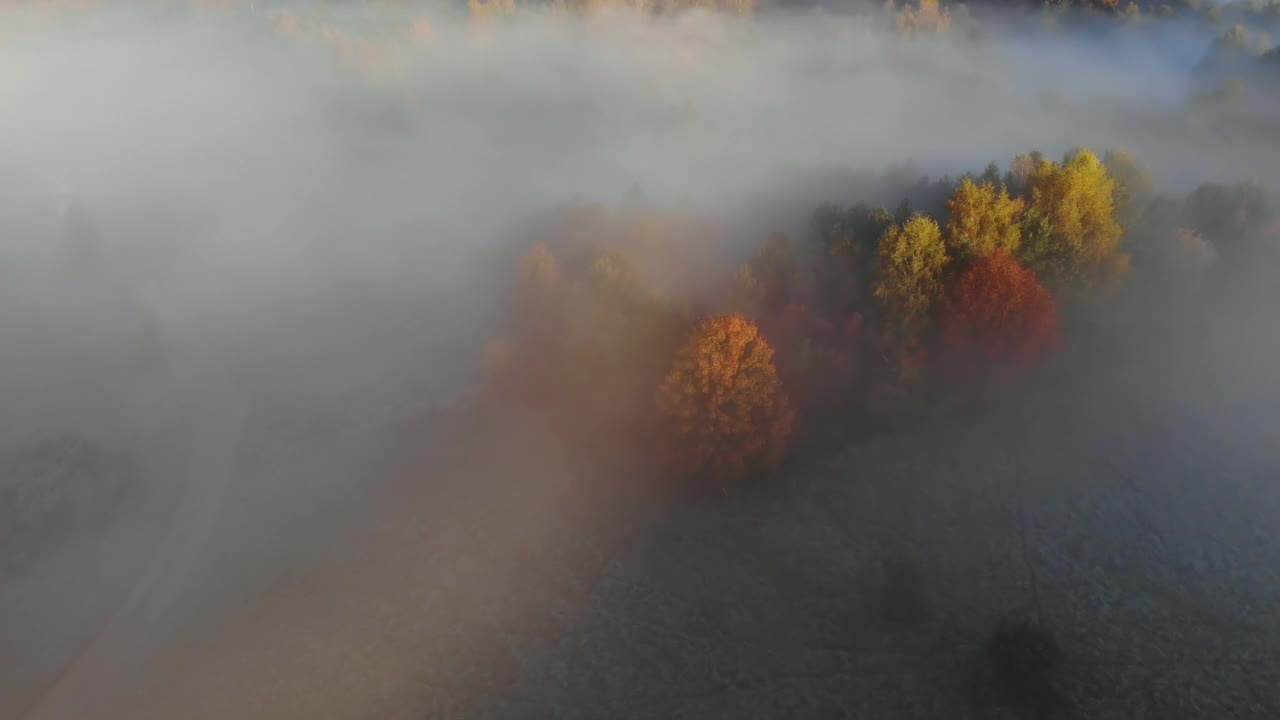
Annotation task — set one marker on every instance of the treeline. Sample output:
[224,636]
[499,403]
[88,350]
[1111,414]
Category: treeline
[628,327]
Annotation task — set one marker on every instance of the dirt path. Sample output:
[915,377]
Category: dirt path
[425,616]
[109,659]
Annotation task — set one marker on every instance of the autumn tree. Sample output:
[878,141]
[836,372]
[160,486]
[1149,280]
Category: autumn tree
[540,288]
[590,340]
[763,284]
[746,293]
[1018,178]
[1188,254]
[898,391]
[909,271]
[618,325]
[484,12]
[1076,199]
[1134,184]
[723,410]
[999,317]
[524,364]
[983,219]
[773,266]
[816,360]
[928,16]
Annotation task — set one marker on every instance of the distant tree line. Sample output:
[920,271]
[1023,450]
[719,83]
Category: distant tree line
[625,322]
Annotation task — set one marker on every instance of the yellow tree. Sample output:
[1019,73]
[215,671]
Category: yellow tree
[723,410]
[909,271]
[540,290]
[983,219]
[526,365]
[1076,199]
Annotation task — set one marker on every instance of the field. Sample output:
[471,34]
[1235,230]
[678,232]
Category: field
[1132,520]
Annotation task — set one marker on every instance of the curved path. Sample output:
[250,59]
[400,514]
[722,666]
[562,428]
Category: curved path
[108,661]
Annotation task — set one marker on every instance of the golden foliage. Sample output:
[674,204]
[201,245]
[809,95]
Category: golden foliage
[484,12]
[649,7]
[927,17]
[909,270]
[738,7]
[589,7]
[983,219]
[723,408]
[1077,198]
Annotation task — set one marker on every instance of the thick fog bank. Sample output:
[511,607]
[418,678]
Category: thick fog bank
[234,254]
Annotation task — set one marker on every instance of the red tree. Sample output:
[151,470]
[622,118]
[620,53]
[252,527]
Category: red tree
[999,318]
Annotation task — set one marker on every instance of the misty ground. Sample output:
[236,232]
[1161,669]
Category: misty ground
[501,574]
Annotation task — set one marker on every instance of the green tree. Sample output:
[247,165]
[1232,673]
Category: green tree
[991,175]
[843,259]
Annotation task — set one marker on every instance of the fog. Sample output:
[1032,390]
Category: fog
[297,255]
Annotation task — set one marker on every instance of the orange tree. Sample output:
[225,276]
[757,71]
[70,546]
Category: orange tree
[723,410]
[999,317]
